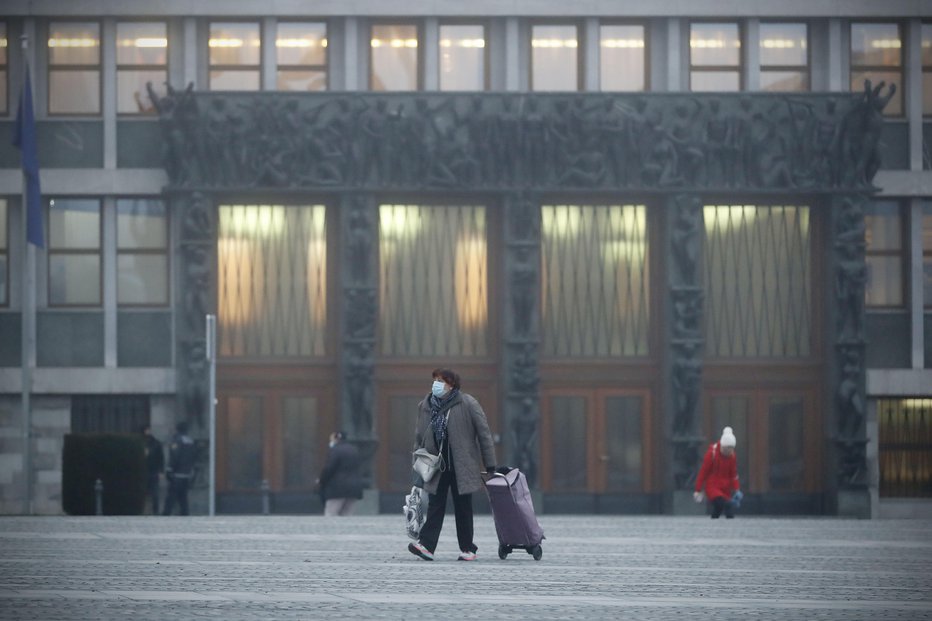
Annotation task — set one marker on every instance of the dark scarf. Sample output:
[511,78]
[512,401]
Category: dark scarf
[438,422]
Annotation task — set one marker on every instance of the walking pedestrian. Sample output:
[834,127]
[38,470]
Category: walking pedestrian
[455,421]
[718,476]
[155,466]
[181,457]
[340,483]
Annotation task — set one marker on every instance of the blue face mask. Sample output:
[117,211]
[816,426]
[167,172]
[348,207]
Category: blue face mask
[438,388]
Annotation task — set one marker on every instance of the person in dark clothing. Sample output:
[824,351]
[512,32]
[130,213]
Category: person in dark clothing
[182,453]
[455,421]
[339,482]
[155,465]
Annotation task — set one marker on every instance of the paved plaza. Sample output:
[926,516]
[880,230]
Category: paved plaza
[593,567]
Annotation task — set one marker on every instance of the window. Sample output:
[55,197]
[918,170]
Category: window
[109,413]
[757,281]
[4,101]
[394,58]
[272,283]
[234,53]
[142,252]
[884,254]
[927,69]
[74,68]
[905,448]
[462,57]
[301,53]
[784,57]
[594,280]
[74,252]
[554,57]
[622,59]
[714,57]
[4,254]
[927,253]
[877,55]
[433,280]
[142,57]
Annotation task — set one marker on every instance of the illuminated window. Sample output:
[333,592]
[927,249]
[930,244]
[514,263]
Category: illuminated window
[434,280]
[74,257]
[714,57]
[74,68]
[904,427]
[234,55]
[301,53]
[462,57]
[877,55]
[142,252]
[555,57]
[4,102]
[142,57]
[757,281]
[594,280]
[4,254]
[393,60]
[784,57]
[883,235]
[272,283]
[623,61]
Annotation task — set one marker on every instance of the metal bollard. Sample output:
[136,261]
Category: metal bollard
[99,497]
[265,497]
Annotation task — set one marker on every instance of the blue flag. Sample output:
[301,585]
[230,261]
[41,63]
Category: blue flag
[24,138]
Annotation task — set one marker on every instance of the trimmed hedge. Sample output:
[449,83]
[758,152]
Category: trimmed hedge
[117,459]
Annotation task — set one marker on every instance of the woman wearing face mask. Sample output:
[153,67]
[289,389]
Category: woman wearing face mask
[340,484]
[455,421]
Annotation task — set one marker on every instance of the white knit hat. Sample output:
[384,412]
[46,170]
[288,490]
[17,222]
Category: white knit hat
[728,438]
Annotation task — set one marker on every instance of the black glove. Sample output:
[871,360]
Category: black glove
[490,470]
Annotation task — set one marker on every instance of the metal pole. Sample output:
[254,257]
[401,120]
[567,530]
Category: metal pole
[212,407]
[26,342]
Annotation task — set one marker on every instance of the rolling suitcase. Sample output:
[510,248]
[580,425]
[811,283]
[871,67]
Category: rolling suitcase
[515,521]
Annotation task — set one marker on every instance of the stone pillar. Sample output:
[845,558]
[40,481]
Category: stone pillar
[195,295]
[847,279]
[359,295]
[521,421]
[684,351]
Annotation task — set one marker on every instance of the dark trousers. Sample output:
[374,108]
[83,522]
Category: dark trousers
[152,485]
[177,492]
[437,508]
[718,504]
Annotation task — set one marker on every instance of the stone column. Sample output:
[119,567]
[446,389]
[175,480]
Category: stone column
[195,296]
[521,421]
[684,351]
[359,295]
[847,279]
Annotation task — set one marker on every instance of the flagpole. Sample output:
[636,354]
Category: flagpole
[29,307]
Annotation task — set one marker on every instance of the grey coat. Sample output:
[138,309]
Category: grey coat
[470,441]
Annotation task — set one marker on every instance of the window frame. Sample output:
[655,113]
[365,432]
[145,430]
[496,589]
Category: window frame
[486,56]
[142,67]
[325,68]
[925,253]
[166,251]
[51,251]
[807,68]
[53,68]
[900,253]
[580,45]
[901,91]
[258,67]
[419,31]
[647,42]
[5,252]
[739,68]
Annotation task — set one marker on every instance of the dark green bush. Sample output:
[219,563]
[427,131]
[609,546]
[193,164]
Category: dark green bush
[117,459]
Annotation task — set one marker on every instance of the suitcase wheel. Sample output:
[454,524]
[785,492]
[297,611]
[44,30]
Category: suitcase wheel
[503,552]
[536,552]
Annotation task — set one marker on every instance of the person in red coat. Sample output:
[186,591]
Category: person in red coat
[718,477]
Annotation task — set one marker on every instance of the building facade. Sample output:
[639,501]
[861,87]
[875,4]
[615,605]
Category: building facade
[626,227]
